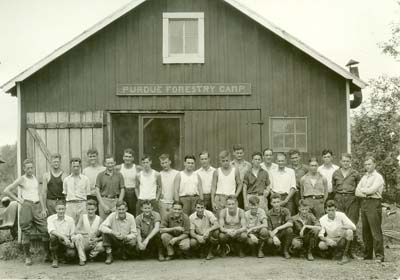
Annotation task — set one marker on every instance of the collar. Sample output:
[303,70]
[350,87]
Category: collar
[200,218]
[117,217]
[108,173]
[206,170]
[276,211]
[372,173]
[281,170]
[151,216]
[72,175]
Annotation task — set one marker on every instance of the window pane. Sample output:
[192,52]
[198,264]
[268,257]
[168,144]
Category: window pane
[277,141]
[176,36]
[301,141]
[300,126]
[283,126]
[191,36]
[289,141]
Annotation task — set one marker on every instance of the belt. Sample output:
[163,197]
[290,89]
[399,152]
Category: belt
[111,196]
[75,201]
[31,201]
[189,195]
[130,189]
[55,198]
[345,193]
[314,196]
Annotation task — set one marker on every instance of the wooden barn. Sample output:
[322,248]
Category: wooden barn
[182,76]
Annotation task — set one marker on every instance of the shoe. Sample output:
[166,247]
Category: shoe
[223,251]
[124,257]
[367,258]
[168,258]
[28,261]
[161,258]
[260,254]
[82,263]
[241,253]
[286,255]
[47,258]
[54,264]
[210,255]
[109,259]
[310,256]
[345,259]
[379,259]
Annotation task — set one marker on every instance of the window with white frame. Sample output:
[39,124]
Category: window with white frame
[288,133]
[183,37]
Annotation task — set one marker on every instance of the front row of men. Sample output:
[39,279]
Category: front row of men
[201,234]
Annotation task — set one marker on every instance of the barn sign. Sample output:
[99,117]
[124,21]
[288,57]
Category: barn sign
[184,89]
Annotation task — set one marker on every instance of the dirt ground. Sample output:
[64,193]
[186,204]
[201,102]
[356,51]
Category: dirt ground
[271,267]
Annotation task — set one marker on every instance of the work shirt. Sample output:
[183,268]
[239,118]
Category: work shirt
[283,180]
[76,187]
[243,167]
[66,226]
[146,224]
[125,226]
[256,184]
[299,172]
[277,218]
[110,185]
[200,225]
[333,228]
[372,183]
[255,220]
[206,176]
[327,172]
[269,169]
[170,221]
[299,221]
[348,184]
[313,186]
[92,172]
[167,185]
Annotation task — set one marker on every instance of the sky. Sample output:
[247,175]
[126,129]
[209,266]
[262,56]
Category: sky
[340,30]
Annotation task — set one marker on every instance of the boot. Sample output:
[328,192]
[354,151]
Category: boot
[27,253]
[310,256]
[241,252]
[210,254]
[223,250]
[260,253]
[345,258]
[109,258]
[46,249]
[161,257]
[54,263]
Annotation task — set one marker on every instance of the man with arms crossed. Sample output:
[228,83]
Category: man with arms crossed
[167,185]
[53,184]
[226,182]
[206,172]
[327,169]
[92,170]
[32,213]
[188,187]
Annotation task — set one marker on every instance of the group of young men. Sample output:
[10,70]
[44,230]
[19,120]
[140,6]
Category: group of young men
[239,207]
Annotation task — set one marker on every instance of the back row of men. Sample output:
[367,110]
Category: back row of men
[262,179]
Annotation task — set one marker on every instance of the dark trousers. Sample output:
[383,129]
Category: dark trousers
[285,236]
[371,217]
[308,241]
[212,239]
[290,205]
[29,219]
[207,201]
[111,243]
[189,203]
[348,204]
[153,247]
[58,247]
[131,200]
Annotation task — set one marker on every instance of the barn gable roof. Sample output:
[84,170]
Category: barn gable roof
[10,85]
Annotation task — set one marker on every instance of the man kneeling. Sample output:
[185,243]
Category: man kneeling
[306,229]
[336,231]
[148,227]
[61,229]
[257,226]
[174,230]
[203,230]
[119,232]
[88,238]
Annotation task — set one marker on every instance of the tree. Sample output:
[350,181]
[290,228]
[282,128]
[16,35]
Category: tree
[376,130]
[392,45]
[8,170]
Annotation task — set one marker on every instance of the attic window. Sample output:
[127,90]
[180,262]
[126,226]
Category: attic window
[183,38]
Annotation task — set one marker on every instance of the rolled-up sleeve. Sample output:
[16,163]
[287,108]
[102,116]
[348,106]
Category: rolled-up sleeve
[105,227]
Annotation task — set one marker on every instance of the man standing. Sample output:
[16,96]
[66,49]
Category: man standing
[204,230]
[233,228]
[336,231]
[167,185]
[148,182]
[53,184]
[76,187]
[268,164]
[92,171]
[174,229]
[344,184]
[300,170]
[256,183]
[32,212]
[61,229]
[148,231]
[369,189]
[119,232]
[110,188]
[242,165]
[226,182]
[283,181]
[188,188]
[257,226]
[206,172]
[280,226]
[327,169]
[314,189]
[130,171]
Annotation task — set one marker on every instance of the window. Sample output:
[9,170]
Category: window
[183,38]
[288,133]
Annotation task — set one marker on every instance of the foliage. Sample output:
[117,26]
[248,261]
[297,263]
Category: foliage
[8,170]
[376,130]
[392,46]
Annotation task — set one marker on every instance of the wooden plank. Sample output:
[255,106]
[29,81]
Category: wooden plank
[30,142]
[63,142]
[75,136]
[52,134]
[54,125]
[98,140]
[40,155]
[40,142]
[87,135]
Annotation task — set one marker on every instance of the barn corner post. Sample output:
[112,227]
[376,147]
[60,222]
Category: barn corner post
[19,144]
[348,117]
